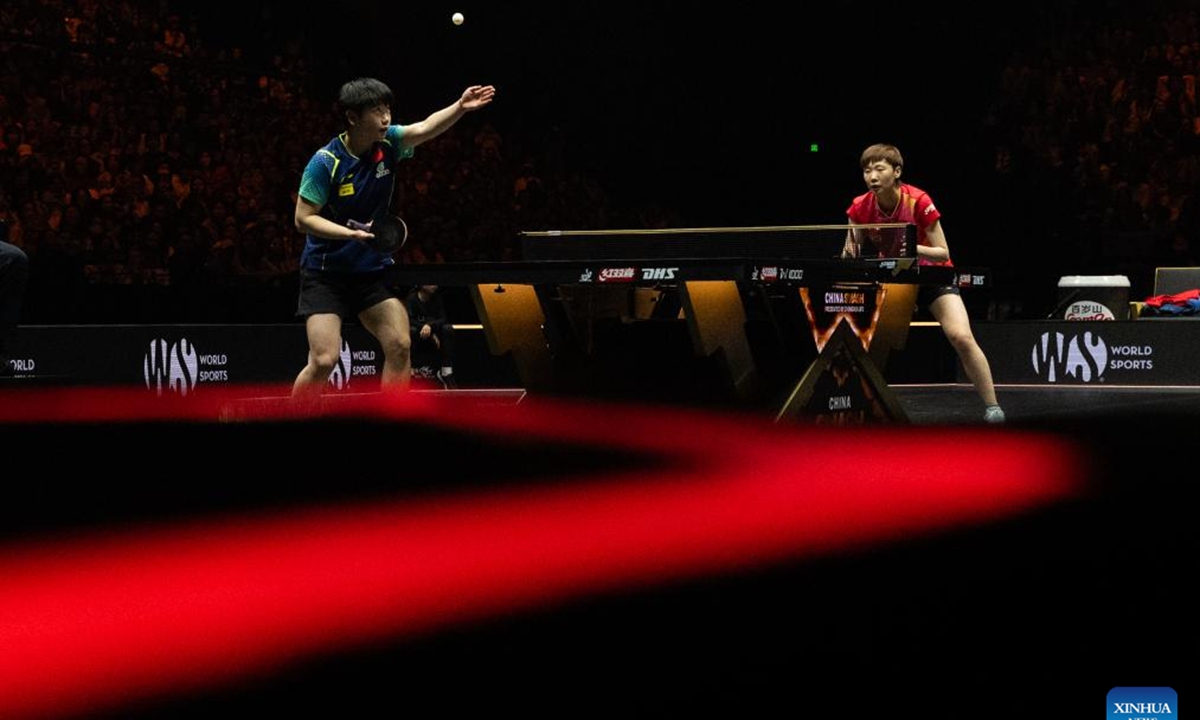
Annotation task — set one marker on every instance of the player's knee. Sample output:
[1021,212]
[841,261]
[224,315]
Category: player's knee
[961,340]
[324,361]
[399,346]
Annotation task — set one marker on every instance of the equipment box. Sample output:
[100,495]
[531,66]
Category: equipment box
[1093,297]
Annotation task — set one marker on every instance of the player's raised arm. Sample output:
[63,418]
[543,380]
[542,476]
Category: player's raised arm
[473,98]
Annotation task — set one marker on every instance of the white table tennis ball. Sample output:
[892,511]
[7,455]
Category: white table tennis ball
[457,18]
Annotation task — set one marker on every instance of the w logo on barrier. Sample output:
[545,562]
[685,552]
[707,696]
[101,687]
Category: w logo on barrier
[176,366]
[1083,357]
[340,377]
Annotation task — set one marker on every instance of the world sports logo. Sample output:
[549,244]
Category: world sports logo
[171,366]
[1083,357]
[340,377]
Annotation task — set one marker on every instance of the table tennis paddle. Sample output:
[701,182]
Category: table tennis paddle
[389,230]
[390,233]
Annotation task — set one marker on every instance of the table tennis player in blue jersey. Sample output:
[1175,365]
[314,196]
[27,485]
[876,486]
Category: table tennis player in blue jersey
[346,188]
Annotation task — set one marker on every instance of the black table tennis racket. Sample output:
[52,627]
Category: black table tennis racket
[389,230]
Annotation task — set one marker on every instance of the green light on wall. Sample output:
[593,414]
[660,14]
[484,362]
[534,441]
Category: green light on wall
[814,148]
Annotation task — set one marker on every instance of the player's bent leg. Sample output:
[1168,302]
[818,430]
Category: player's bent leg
[951,314]
[324,339]
[388,322]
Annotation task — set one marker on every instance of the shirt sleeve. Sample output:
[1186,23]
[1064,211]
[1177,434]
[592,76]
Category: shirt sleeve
[855,211]
[394,135]
[925,212]
[317,179]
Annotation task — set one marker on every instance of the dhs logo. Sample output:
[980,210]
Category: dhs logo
[174,366]
[667,273]
[1082,357]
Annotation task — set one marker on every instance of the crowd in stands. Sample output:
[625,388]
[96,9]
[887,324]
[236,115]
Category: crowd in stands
[137,151]
[1095,134]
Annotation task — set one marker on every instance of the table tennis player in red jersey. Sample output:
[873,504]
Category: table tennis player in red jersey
[888,200]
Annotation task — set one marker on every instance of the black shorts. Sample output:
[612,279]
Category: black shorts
[346,294]
[928,293]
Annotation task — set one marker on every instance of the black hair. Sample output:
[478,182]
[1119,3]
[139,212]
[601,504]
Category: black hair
[363,94]
[887,153]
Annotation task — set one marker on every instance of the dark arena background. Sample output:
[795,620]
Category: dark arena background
[637,499]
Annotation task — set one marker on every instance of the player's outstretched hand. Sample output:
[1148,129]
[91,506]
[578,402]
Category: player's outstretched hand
[476,97]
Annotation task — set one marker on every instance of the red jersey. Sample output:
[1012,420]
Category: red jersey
[915,207]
